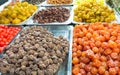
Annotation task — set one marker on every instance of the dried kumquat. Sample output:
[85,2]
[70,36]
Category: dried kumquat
[96,49]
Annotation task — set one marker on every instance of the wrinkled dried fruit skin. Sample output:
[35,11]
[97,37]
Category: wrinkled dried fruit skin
[93,11]
[36,51]
[53,14]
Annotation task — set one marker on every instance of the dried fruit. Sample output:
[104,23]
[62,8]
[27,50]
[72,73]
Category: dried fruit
[34,50]
[98,51]
[52,14]
[92,11]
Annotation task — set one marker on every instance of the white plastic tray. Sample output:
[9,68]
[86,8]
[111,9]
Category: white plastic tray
[46,4]
[30,21]
[115,21]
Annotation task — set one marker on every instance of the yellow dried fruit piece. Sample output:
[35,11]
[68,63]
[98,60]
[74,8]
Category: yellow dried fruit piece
[16,21]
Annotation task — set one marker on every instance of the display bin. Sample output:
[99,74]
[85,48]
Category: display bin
[67,32]
[46,4]
[68,21]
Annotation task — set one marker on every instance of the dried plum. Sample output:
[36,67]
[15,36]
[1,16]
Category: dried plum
[53,14]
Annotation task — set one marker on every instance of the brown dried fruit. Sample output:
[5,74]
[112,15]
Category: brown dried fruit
[34,72]
[53,14]
[38,53]
[23,67]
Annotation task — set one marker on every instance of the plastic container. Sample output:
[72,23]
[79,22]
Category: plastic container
[66,32]
[46,4]
[31,21]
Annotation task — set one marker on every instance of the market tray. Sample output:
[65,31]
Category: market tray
[66,32]
[34,4]
[31,21]
[46,4]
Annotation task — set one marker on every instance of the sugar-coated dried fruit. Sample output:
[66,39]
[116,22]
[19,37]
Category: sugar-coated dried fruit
[92,11]
[34,1]
[96,50]
[17,13]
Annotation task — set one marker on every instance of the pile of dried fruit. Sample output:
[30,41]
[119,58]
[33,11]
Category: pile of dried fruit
[35,1]
[35,52]
[17,13]
[77,2]
[59,1]
[91,12]
[52,14]
[6,35]
[96,49]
